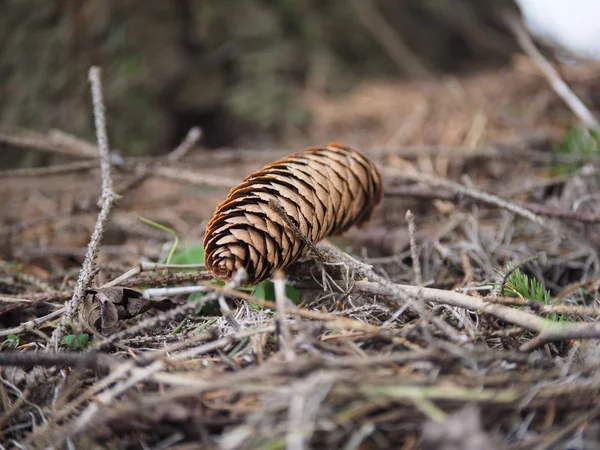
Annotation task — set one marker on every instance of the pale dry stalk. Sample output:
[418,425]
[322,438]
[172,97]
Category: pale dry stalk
[106,202]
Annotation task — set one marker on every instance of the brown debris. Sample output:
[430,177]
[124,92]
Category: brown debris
[103,308]
[461,430]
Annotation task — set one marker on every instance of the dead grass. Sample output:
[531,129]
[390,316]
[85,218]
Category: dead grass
[360,363]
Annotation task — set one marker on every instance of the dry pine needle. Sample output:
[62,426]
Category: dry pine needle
[322,192]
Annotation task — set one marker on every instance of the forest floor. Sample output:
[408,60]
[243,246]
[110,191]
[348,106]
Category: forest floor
[477,330]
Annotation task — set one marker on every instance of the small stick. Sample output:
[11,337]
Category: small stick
[67,140]
[536,208]
[228,314]
[106,202]
[292,226]
[186,145]
[188,176]
[172,314]
[283,331]
[563,332]
[147,266]
[556,83]
[458,188]
[549,330]
[411,299]
[32,324]
[96,361]
[414,251]
[59,169]
[42,145]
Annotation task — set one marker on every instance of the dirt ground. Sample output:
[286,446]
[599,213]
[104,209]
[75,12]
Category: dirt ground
[397,346]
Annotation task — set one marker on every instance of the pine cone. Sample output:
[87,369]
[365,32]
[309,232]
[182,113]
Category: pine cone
[322,190]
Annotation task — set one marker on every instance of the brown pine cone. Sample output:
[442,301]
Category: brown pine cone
[322,190]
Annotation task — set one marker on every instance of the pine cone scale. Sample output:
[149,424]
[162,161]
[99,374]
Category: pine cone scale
[322,191]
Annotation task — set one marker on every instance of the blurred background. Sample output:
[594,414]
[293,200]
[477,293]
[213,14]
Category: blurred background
[248,72]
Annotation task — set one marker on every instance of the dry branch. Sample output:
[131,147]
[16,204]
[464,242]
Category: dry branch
[106,202]
[186,145]
[556,82]
[40,144]
[476,194]
[98,362]
[418,191]
[549,330]
[374,21]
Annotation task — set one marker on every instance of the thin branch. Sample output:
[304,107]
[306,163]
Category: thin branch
[452,298]
[549,330]
[59,169]
[41,145]
[292,226]
[188,176]
[283,331]
[558,213]
[469,192]
[414,251]
[96,361]
[32,324]
[413,300]
[106,202]
[148,266]
[76,143]
[374,21]
[558,85]
[419,191]
[563,331]
[186,145]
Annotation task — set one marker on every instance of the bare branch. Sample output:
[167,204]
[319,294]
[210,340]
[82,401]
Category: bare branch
[558,85]
[470,192]
[106,202]
[186,145]
[98,362]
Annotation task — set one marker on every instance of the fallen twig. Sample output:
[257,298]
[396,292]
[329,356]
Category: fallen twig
[406,60]
[549,330]
[284,336]
[556,82]
[469,192]
[147,266]
[59,169]
[107,200]
[186,145]
[96,361]
[32,324]
[40,144]
[536,208]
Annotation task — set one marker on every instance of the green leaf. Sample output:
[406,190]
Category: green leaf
[203,326]
[577,141]
[193,254]
[265,290]
[292,294]
[76,341]
[179,327]
[209,308]
[12,341]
